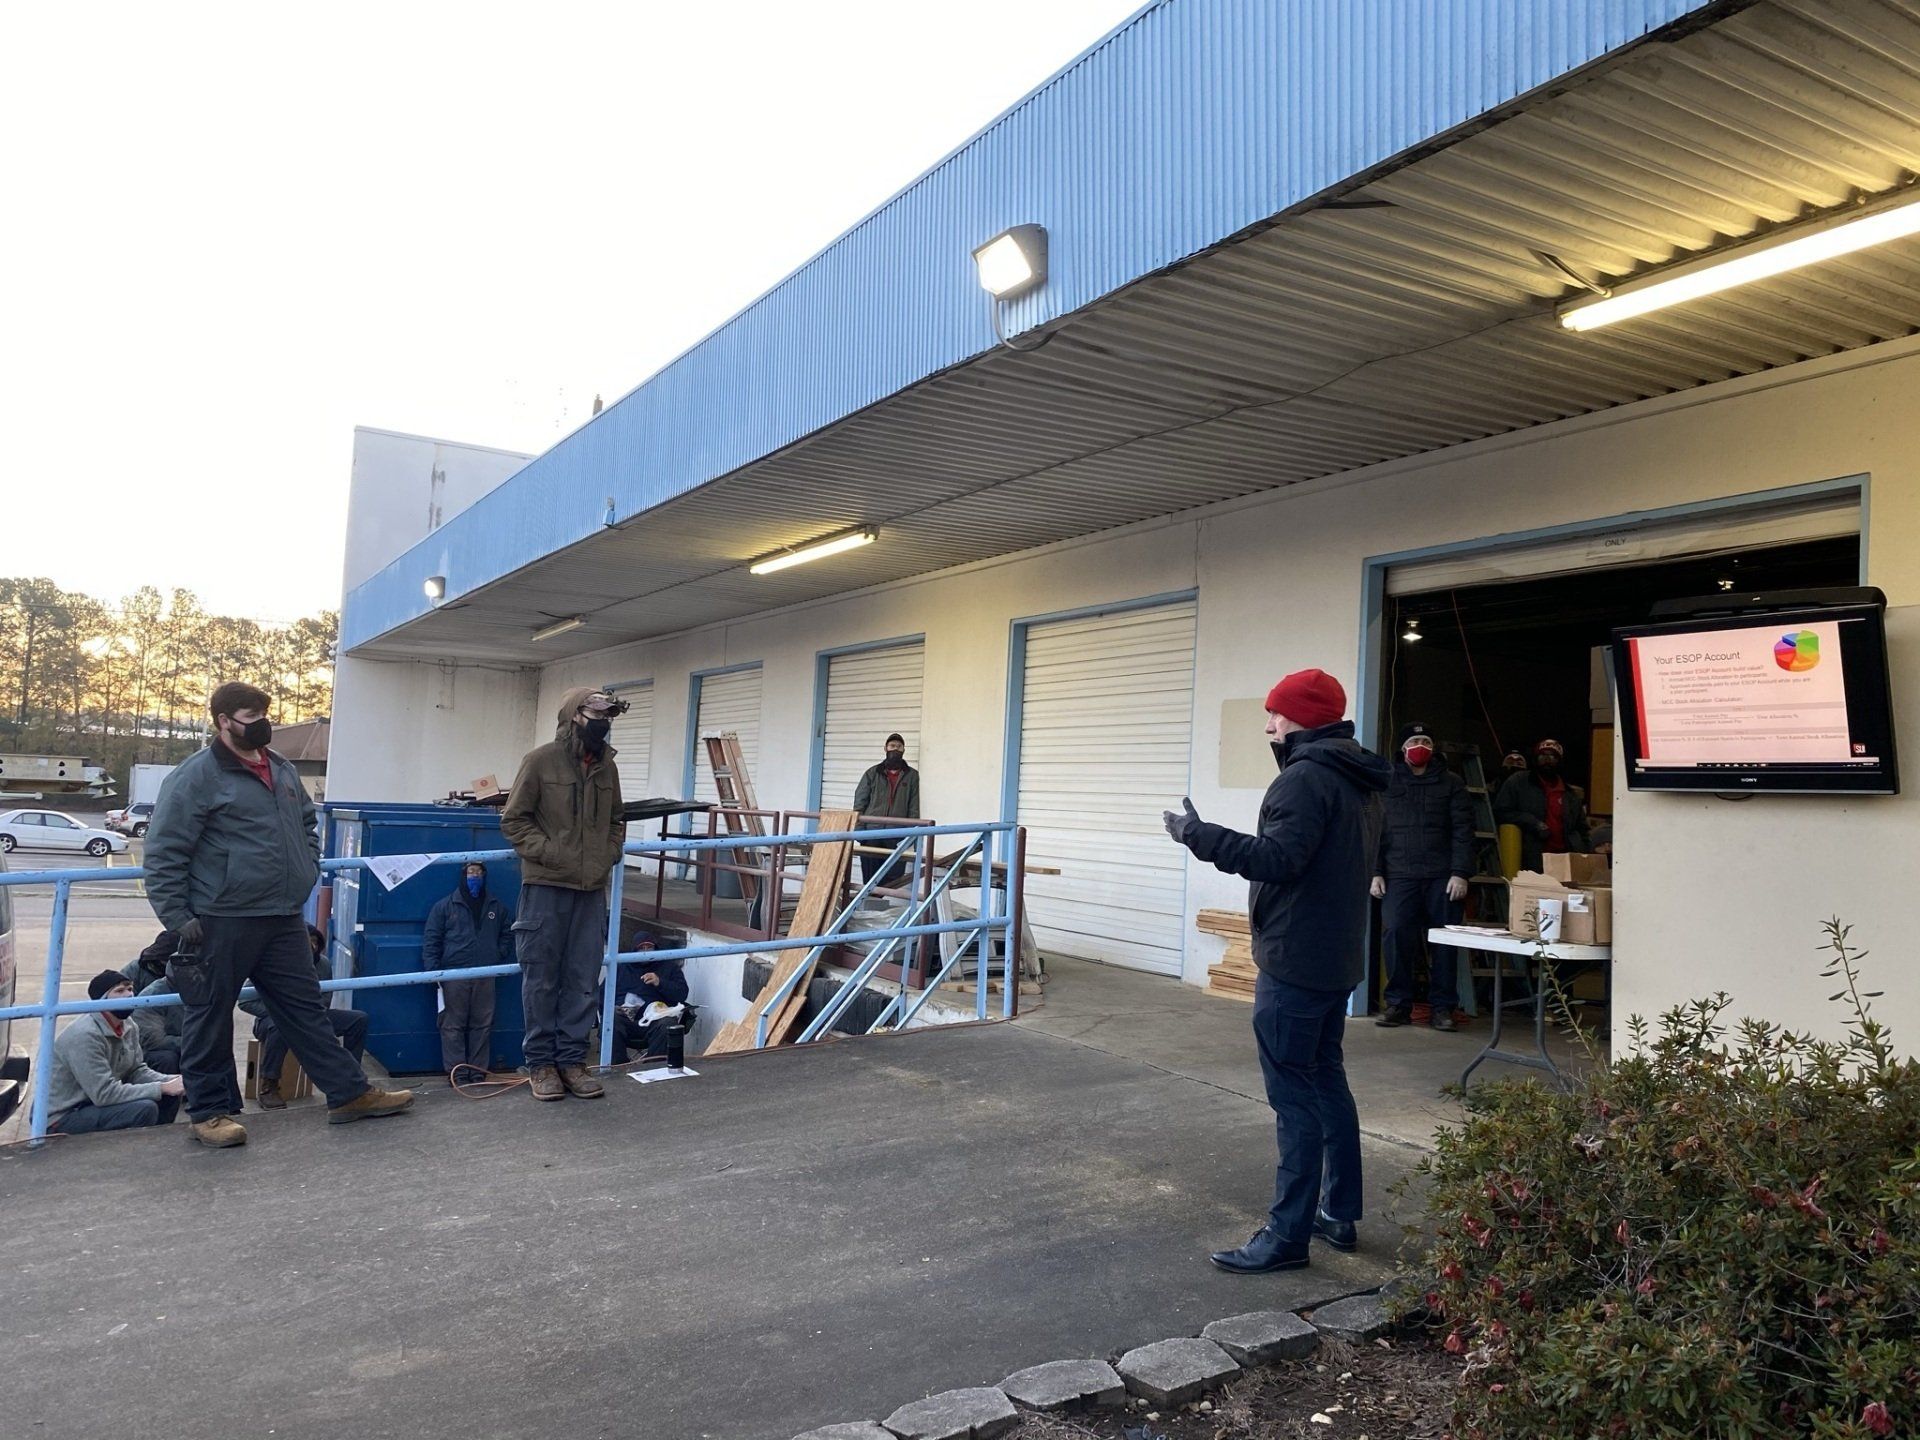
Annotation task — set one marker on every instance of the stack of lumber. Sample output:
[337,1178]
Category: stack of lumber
[819,902]
[1235,973]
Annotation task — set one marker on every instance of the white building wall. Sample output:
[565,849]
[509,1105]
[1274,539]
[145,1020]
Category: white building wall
[1711,895]
[407,486]
[416,731]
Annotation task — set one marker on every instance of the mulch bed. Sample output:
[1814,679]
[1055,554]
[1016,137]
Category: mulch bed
[1397,1390]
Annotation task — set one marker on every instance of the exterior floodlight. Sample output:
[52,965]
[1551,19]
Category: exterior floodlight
[1412,632]
[560,627]
[1793,248]
[838,545]
[436,588]
[1013,262]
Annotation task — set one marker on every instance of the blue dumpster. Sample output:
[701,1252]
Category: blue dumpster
[381,929]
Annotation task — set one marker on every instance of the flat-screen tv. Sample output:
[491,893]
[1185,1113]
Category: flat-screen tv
[1785,698]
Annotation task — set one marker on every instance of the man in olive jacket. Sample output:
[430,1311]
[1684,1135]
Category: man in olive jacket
[232,855]
[563,819]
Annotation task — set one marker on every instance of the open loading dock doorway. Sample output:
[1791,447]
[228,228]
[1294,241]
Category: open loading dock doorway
[1500,650]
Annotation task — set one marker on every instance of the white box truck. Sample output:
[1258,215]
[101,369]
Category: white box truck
[143,788]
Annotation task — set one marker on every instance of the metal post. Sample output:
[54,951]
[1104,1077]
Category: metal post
[983,937]
[1016,923]
[50,997]
[615,902]
[912,957]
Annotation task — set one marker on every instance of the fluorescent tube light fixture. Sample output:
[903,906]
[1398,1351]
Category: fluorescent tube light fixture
[819,550]
[435,588]
[1013,262]
[560,627]
[1794,247]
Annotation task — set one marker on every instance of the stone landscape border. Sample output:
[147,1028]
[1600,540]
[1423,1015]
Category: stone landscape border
[1173,1372]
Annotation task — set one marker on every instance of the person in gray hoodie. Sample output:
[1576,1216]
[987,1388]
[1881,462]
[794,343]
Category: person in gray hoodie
[233,853]
[100,1079]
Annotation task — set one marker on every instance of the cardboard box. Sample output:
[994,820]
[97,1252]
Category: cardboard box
[295,1084]
[1525,890]
[1577,872]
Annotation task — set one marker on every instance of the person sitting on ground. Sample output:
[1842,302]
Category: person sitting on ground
[349,1025]
[465,929]
[159,1025]
[100,1078]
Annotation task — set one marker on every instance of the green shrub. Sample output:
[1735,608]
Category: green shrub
[1714,1235]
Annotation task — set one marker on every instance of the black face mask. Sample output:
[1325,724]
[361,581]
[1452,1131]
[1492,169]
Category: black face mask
[594,733]
[255,735]
[894,762]
[1547,768]
[126,1014]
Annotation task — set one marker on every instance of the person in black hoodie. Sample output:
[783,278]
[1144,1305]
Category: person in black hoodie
[1426,854]
[1310,864]
[467,928]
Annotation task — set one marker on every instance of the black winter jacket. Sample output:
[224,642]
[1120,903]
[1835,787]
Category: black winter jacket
[1522,801]
[1428,833]
[462,932]
[1312,860]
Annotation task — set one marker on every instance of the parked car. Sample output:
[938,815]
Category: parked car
[15,1067]
[50,830]
[131,821]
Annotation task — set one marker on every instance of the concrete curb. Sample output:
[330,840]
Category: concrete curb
[1226,1347]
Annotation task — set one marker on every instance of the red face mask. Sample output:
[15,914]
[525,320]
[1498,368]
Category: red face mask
[1419,754]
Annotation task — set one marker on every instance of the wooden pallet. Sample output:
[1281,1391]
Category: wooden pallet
[1235,974]
[819,901]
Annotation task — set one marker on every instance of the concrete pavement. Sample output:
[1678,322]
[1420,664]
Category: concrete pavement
[789,1240]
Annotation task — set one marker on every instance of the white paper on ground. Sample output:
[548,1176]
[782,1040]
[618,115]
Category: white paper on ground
[392,870]
[647,1077]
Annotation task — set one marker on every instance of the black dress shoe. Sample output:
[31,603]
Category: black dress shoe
[1340,1234]
[1264,1252]
[1397,1015]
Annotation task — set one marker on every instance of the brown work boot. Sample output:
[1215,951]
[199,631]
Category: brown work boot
[270,1097]
[370,1104]
[222,1132]
[547,1084]
[579,1082]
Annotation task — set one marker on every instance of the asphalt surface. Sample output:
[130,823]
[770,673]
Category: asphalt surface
[786,1241]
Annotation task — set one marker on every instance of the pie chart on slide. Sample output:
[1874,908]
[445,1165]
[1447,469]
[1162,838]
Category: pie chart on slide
[1797,650]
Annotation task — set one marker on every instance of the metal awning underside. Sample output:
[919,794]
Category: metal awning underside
[1408,314]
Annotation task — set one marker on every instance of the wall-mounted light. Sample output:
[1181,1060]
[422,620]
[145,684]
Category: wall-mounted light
[819,550]
[1791,248]
[1412,632]
[1013,262]
[436,588]
[560,627]
[1725,582]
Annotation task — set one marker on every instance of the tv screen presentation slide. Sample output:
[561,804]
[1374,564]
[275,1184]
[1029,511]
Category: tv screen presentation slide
[1756,695]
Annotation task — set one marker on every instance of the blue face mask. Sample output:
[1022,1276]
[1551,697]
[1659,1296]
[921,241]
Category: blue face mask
[475,884]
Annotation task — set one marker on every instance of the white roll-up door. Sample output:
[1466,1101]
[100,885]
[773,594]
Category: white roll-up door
[1106,738]
[632,738]
[728,702]
[870,695]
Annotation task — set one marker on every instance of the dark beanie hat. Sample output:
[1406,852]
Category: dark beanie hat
[1308,697]
[104,982]
[1408,731]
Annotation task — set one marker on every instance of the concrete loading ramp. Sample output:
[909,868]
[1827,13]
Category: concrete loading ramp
[788,1240]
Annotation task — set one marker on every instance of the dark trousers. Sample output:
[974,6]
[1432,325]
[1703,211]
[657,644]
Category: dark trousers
[270,951]
[1412,908]
[891,872]
[87,1118]
[1299,1033]
[466,1023]
[561,939]
[165,1059]
[349,1025]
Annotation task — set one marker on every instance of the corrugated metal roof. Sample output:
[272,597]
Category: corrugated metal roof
[1190,123]
[1337,338]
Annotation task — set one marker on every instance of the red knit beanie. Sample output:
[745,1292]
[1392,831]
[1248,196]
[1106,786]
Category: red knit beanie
[1308,697]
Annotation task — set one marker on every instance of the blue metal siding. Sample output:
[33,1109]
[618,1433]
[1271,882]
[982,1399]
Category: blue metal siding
[1192,121]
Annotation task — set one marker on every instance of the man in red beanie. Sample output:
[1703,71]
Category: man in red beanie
[1310,866]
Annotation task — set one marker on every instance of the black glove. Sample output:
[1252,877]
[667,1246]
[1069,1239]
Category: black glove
[191,934]
[1182,826]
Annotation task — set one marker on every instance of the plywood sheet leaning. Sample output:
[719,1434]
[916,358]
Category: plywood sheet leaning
[820,891]
[1235,974]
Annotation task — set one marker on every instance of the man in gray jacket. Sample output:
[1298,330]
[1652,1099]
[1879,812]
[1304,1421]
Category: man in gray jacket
[233,852]
[100,1078]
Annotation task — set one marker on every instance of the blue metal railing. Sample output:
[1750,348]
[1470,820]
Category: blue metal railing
[984,840]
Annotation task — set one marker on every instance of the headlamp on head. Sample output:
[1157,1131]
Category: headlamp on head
[603,705]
